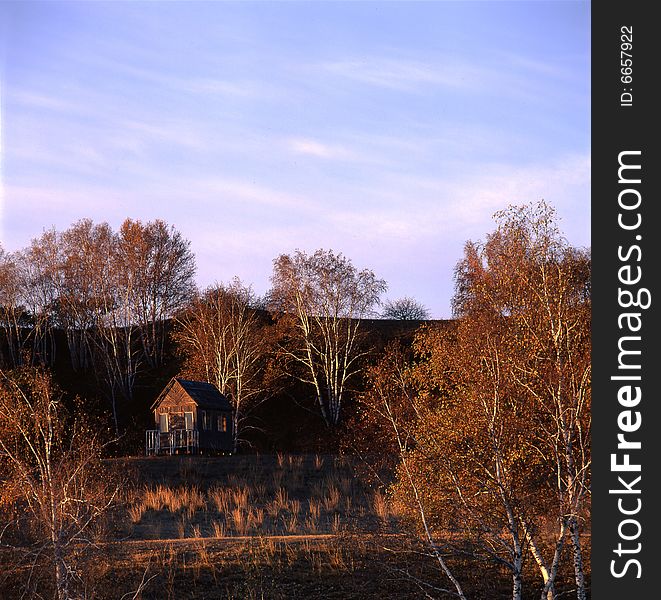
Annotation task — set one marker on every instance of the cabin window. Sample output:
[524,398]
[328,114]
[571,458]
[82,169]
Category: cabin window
[164,422]
[188,420]
[222,422]
[206,423]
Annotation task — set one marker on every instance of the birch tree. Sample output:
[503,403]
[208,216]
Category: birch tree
[81,295]
[320,300]
[527,276]
[462,474]
[52,472]
[162,281]
[393,411]
[226,342]
[496,411]
[31,284]
[13,317]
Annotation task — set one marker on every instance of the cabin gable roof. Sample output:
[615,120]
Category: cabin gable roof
[204,395]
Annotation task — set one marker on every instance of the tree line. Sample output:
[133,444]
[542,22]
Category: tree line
[126,303]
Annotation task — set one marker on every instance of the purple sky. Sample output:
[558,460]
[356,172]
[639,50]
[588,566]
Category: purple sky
[388,131]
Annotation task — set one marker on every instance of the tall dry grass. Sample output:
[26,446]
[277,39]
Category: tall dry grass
[284,494]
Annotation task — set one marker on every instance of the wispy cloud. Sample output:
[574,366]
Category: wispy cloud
[501,75]
[462,205]
[41,100]
[319,149]
[152,132]
[201,83]
[29,209]
[249,194]
[214,86]
[564,182]
[404,75]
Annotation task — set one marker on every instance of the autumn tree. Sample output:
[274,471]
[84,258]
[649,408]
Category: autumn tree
[494,411]
[86,249]
[39,265]
[161,272]
[226,342]
[110,292]
[397,417]
[405,309]
[52,476]
[14,321]
[27,284]
[527,276]
[319,300]
[459,475]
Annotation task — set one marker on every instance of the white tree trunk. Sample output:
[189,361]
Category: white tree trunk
[579,572]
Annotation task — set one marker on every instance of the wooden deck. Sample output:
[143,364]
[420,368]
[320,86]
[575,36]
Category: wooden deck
[176,441]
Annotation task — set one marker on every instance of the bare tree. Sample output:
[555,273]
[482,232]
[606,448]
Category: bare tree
[51,469]
[226,342]
[320,300]
[405,309]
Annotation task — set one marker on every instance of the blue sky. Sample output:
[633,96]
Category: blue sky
[388,131]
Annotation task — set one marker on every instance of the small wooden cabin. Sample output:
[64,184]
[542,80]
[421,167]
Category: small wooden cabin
[191,417]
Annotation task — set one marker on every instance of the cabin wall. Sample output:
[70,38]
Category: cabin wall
[175,405]
[215,429]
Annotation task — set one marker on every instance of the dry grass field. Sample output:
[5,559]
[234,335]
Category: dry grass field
[281,495]
[256,527]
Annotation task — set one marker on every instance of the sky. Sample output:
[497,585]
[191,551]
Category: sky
[388,131]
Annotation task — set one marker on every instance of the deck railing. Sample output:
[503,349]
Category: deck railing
[171,442]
